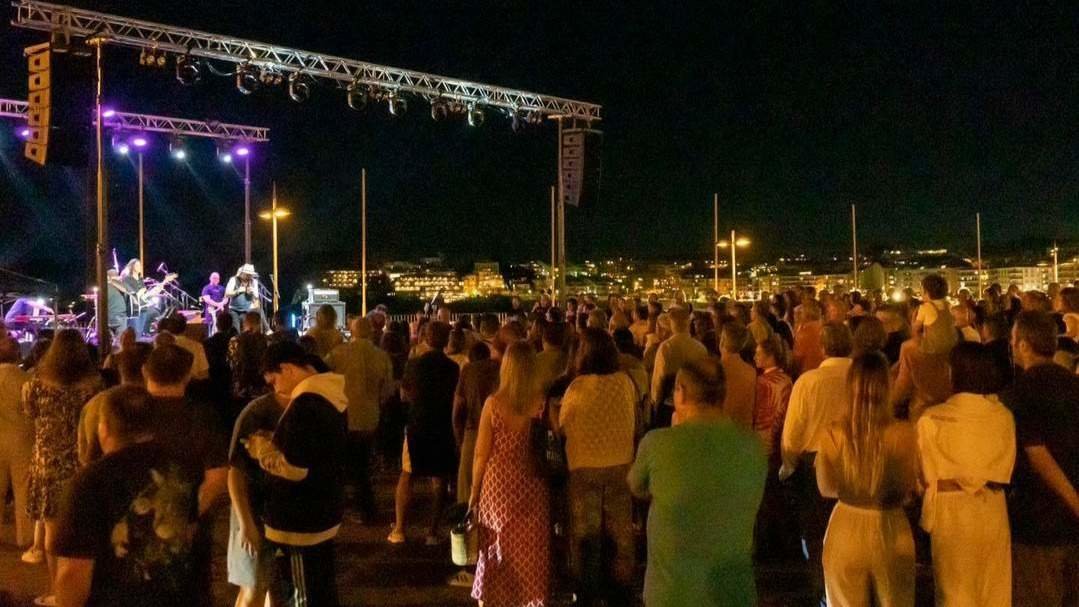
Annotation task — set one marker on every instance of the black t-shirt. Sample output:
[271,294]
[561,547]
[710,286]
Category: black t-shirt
[430,381]
[261,414]
[191,430]
[1045,402]
[135,513]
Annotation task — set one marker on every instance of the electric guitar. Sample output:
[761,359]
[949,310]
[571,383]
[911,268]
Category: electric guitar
[145,295]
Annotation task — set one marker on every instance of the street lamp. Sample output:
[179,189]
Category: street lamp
[734,243]
[273,215]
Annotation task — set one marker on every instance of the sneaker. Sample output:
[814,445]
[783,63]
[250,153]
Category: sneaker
[461,579]
[33,556]
[46,600]
[396,537]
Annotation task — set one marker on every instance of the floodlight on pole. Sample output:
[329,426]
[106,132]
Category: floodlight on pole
[738,242]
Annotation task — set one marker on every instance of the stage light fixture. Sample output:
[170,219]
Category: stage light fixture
[241,150]
[299,87]
[187,70]
[515,121]
[357,95]
[123,149]
[439,110]
[139,142]
[162,60]
[247,79]
[177,150]
[23,132]
[226,158]
[108,113]
[398,105]
[475,116]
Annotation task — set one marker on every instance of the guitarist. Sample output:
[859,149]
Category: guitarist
[213,301]
[143,295]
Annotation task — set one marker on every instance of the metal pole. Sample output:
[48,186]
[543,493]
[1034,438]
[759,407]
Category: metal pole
[276,279]
[715,241]
[854,241]
[1056,268]
[104,346]
[142,232]
[247,210]
[734,268]
[978,224]
[554,244]
[363,242]
[562,293]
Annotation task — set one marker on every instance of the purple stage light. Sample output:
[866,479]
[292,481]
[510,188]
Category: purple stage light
[139,141]
[24,133]
[242,151]
[108,113]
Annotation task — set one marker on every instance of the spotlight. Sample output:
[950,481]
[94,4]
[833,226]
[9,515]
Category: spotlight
[187,70]
[23,132]
[398,105]
[139,142]
[241,150]
[226,158]
[108,113]
[177,151]
[534,117]
[299,89]
[122,149]
[439,110]
[515,121]
[271,78]
[162,60]
[357,96]
[475,116]
[247,79]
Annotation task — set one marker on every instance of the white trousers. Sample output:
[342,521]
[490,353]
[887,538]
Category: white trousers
[972,549]
[868,558]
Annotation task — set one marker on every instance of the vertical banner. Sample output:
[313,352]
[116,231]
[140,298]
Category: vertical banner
[38,115]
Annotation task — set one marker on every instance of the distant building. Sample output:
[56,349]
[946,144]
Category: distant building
[427,284]
[485,280]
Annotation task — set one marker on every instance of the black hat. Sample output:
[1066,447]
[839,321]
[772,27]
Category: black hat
[289,352]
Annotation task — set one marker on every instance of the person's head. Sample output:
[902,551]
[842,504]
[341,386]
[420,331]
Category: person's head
[934,286]
[285,364]
[619,320]
[437,335]
[517,378]
[868,384]
[596,353]
[443,315]
[640,313]
[378,320]
[680,316]
[554,335]
[623,340]
[326,317]
[870,336]
[700,386]
[128,338]
[510,333]
[810,310]
[488,326]
[168,370]
[733,337]
[963,315]
[1069,300]
[479,351]
[458,341]
[126,417]
[597,319]
[771,352]
[9,351]
[129,363]
[133,268]
[1034,338]
[974,369]
[215,278]
[252,322]
[67,361]
[174,323]
[224,321]
[361,328]
[835,339]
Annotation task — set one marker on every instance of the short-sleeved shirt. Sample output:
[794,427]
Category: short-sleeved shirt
[431,379]
[479,379]
[1045,402]
[706,481]
[260,415]
[216,292]
[191,429]
[135,514]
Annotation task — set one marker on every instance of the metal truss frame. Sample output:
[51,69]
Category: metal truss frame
[128,121]
[79,23]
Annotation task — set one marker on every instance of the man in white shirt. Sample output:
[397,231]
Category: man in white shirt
[176,324]
[818,398]
[678,350]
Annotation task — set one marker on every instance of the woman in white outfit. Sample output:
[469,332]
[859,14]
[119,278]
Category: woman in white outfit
[868,461]
[967,447]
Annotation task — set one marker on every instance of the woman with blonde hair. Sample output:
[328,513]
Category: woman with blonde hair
[510,501]
[867,461]
[53,398]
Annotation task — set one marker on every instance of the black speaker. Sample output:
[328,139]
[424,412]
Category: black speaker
[582,167]
[71,136]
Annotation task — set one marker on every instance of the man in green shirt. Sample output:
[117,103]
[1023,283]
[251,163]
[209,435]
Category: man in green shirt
[705,477]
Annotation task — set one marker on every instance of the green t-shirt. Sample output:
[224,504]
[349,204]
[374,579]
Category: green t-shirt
[706,481]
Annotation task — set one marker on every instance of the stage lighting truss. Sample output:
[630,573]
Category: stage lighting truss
[356,95]
[253,58]
[12,108]
[475,116]
[397,104]
[188,70]
[299,87]
[152,57]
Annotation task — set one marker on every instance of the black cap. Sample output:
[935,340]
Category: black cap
[289,352]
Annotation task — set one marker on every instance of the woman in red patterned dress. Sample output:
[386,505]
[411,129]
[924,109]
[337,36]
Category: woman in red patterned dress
[510,501]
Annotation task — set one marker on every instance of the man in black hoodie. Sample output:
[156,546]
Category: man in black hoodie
[303,460]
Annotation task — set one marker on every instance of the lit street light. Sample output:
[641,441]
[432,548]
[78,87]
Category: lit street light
[737,242]
[273,215]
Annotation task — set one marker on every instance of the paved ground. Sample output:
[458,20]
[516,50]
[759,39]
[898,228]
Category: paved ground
[373,573]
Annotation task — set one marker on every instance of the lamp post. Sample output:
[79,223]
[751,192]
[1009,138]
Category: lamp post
[1056,266]
[273,215]
[715,242]
[734,243]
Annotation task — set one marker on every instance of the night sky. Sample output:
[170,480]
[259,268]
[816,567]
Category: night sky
[919,115]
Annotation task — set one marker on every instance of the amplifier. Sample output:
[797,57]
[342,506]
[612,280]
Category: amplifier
[311,308]
[321,296]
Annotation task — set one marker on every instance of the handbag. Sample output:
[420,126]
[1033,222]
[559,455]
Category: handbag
[547,452]
[465,542]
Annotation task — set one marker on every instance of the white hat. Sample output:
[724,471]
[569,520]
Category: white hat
[247,269]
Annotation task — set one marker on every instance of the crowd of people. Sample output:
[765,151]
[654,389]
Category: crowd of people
[858,434]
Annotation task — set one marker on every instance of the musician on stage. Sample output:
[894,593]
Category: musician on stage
[213,301]
[25,308]
[242,292]
[117,303]
[143,296]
